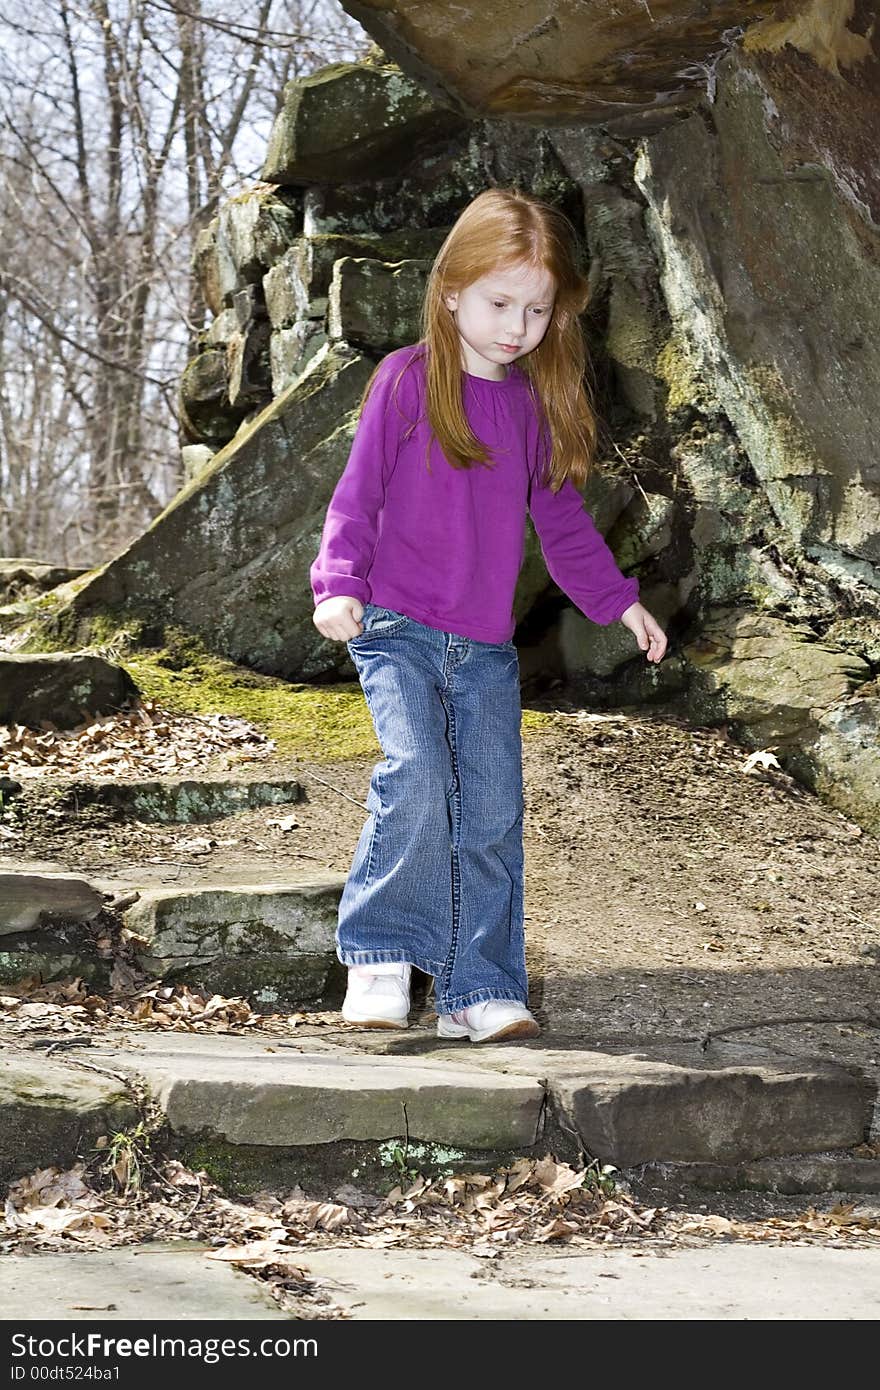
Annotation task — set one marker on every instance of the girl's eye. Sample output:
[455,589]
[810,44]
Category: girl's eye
[500,304]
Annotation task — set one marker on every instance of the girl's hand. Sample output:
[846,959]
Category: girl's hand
[339,618]
[647,631]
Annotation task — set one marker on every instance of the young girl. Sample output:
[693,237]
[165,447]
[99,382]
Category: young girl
[459,435]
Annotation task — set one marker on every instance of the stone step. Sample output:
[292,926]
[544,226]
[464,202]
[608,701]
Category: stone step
[292,1098]
[315,1105]
[274,942]
[51,1112]
[182,801]
[25,898]
[671,1102]
[796,1173]
[732,1103]
[45,927]
[65,688]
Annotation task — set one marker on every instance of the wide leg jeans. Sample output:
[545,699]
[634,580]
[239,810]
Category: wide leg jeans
[437,874]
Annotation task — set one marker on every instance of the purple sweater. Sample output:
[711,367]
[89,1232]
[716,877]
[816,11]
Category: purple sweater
[445,547]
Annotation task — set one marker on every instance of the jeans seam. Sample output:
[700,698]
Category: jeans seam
[376,814]
[455,866]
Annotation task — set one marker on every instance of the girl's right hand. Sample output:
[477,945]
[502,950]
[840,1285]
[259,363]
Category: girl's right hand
[339,618]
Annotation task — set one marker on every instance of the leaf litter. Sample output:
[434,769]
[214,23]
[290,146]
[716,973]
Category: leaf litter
[146,738]
[530,1201]
[74,1007]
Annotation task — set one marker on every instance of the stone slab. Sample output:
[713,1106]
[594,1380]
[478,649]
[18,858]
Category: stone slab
[730,1105]
[25,897]
[155,1282]
[308,1098]
[796,1174]
[144,1283]
[63,688]
[671,1102]
[176,800]
[274,942]
[52,1111]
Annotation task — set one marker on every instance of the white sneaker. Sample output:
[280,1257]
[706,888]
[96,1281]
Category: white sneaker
[378,996]
[497,1018]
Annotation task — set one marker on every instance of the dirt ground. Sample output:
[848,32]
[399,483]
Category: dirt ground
[668,891]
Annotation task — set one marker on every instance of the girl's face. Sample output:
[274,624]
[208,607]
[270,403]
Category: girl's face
[502,316]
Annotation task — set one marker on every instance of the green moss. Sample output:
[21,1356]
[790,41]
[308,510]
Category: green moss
[324,722]
[320,1168]
[674,366]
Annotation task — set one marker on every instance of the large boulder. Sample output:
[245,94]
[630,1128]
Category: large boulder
[624,66]
[780,688]
[765,221]
[229,557]
[353,121]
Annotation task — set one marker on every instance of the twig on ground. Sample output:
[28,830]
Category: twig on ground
[188,1213]
[869,1022]
[83,1040]
[102,1071]
[325,783]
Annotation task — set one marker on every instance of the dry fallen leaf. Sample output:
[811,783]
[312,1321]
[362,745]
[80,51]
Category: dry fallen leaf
[143,739]
[255,1253]
[762,757]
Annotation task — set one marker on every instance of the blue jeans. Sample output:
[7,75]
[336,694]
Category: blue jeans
[437,875]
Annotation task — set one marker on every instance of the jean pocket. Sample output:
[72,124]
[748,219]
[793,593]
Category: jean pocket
[379,622]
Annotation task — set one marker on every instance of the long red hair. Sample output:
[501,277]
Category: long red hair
[502,228]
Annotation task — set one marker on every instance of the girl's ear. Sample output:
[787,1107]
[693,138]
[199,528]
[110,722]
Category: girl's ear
[451,301]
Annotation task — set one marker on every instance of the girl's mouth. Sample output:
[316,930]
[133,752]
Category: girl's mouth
[508,348]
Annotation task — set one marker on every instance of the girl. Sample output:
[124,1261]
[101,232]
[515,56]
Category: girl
[459,434]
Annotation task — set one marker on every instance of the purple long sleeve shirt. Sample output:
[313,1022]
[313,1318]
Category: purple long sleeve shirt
[446,546]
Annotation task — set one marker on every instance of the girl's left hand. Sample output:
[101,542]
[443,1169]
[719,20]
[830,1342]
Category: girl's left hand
[647,631]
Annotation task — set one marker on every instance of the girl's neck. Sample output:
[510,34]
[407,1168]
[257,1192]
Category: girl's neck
[480,376]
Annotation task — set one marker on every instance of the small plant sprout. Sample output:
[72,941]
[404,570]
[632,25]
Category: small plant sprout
[126,1152]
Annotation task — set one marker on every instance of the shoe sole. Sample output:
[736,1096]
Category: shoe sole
[372,1022]
[521,1028]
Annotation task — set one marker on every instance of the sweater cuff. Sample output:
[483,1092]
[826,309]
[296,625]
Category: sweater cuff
[631,596]
[341,586]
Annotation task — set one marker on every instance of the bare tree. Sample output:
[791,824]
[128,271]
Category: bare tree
[124,123]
